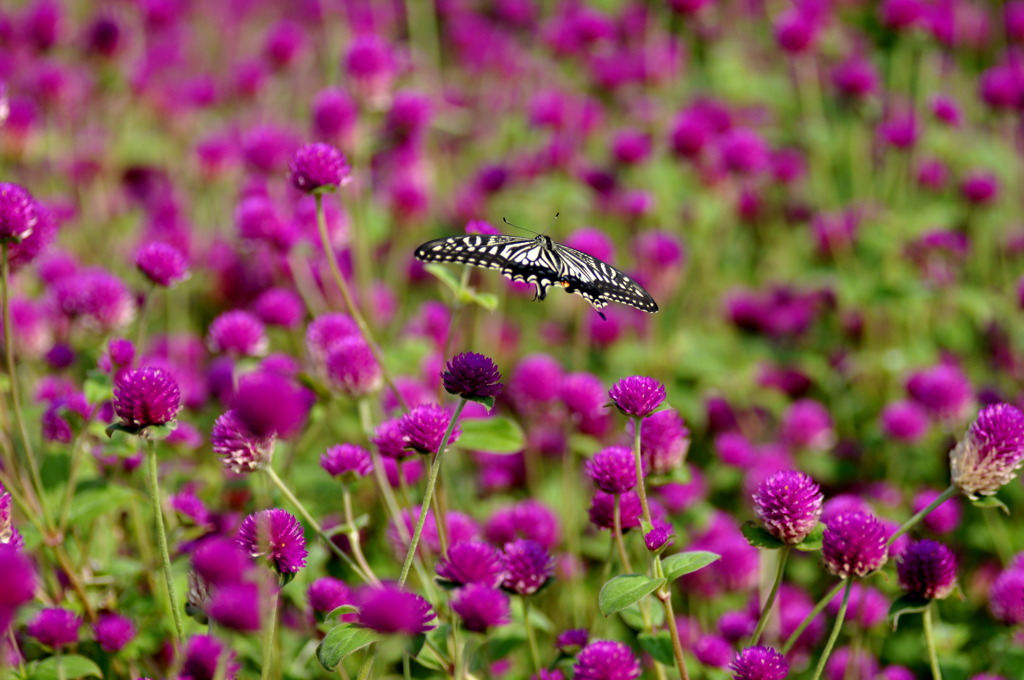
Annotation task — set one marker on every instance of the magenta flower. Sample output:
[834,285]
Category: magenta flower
[613,470]
[788,504]
[19,579]
[319,167]
[347,461]
[606,660]
[943,390]
[236,606]
[162,264]
[990,453]
[387,608]
[854,544]
[527,519]
[472,376]
[54,627]
[527,565]
[602,510]
[471,562]
[146,396]
[571,641]
[238,333]
[927,569]
[807,424]
[352,368]
[221,561]
[18,215]
[269,404]
[904,421]
[1006,597]
[481,607]
[637,396]
[203,656]
[424,426]
[240,450]
[279,307]
[113,632]
[664,441]
[277,536]
[327,594]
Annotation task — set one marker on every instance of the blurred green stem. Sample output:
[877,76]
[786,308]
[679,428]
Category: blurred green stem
[766,611]
[637,422]
[268,638]
[353,534]
[531,635]
[836,627]
[910,523]
[810,617]
[617,533]
[161,533]
[929,638]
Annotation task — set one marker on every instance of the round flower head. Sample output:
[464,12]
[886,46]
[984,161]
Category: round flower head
[240,450]
[602,510]
[527,519]
[572,640]
[613,469]
[17,213]
[162,263]
[276,535]
[927,569]
[220,561]
[472,376]
[319,167]
[333,114]
[203,656]
[854,544]
[327,594]
[943,390]
[113,632]
[942,519]
[867,606]
[658,537]
[480,607]
[990,453]
[238,333]
[347,460]
[664,441]
[759,663]
[606,660]
[424,426]
[807,424]
[535,382]
[146,396]
[54,627]
[637,395]
[528,566]
[788,504]
[236,606]
[352,368]
[279,307]
[324,331]
[471,562]
[95,298]
[904,421]
[19,579]
[269,403]
[387,608]
[1006,597]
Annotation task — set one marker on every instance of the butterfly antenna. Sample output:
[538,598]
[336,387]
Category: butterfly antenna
[505,220]
[553,220]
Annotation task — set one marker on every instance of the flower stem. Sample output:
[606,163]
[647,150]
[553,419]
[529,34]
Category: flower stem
[929,638]
[836,627]
[810,617]
[767,609]
[640,471]
[909,524]
[665,595]
[428,493]
[531,636]
[161,532]
[268,639]
[617,533]
[353,534]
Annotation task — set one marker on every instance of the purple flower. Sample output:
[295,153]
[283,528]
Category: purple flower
[606,660]
[269,403]
[1006,597]
[333,114]
[527,519]
[904,421]
[347,460]
[979,187]
[220,561]
[535,382]
[807,424]
[572,640]
[712,650]
[326,330]
[927,569]
[19,579]
[146,396]
[472,376]
[471,562]
[54,627]
[113,632]
[327,594]
[528,566]
[990,453]
[387,608]
[279,307]
[637,396]
[238,333]
[18,215]
[319,167]
[240,450]
[855,77]
[854,544]
[276,535]
[942,519]
[664,441]
[424,426]
[602,510]
[743,151]
[797,30]
[867,608]
[788,504]
[658,537]
[943,390]
[203,656]
[613,469]
[370,64]
[759,663]
[480,607]
[161,263]
[352,368]
[236,606]
[95,298]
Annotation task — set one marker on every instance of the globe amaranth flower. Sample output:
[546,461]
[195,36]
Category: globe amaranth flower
[327,594]
[1006,597]
[347,460]
[527,519]
[240,450]
[807,424]
[9,534]
[236,606]
[943,519]
[854,544]
[637,395]
[54,627]
[470,562]
[943,390]
[204,655]
[276,535]
[162,264]
[113,632]
[279,307]
[146,396]
[19,579]
[388,608]
[867,606]
[927,569]
[606,660]
[424,426]
[18,214]
[95,298]
[238,333]
[527,565]
[990,453]
[602,510]
[319,167]
[904,421]
[472,376]
[613,469]
[480,607]
[788,504]
[712,650]
[220,561]
[352,368]
[759,663]
[664,441]
[269,403]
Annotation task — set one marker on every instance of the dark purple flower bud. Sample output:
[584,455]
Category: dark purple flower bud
[146,396]
[736,625]
[942,519]
[481,607]
[613,469]
[347,460]
[943,390]
[712,650]
[472,376]
[796,31]
[1006,597]
[276,535]
[236,606]
[387,608]
[602,510]
[927,569]
[1000,86]
[471,562]
[54,627]
[161,263]
[279,307]
[527,565]
[424,426]
[658,537]
[113,632]
[120,353]
[240,450]
[327,594]
[979,187]
[352,368]
[630,147]
[854,544]
[759,663]
[284,43]
[204,656]
[319,167]
[269,403]
[103,36]
[990,453]
[18,213]
[807,424]
[571,641]
[788,504]
[238,333]
[606,660]
[637,396]
[904,421]
[220,561]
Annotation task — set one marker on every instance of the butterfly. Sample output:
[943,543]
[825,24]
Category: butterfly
[542,262]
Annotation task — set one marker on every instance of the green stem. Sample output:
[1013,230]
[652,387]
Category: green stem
[673,630]
[640,472]
[909,524]
[531,636]
[161,532]
[268,639]
[76,460]
[364,671]
[810,617]
[353,534]
[929,638]
[836,627]
[428,493]
[767,609]
[59,663]
[617,533]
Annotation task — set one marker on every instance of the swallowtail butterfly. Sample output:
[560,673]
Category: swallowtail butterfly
[545,263]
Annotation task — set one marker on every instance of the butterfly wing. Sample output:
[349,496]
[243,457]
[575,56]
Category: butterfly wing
[598,282]
[519,259]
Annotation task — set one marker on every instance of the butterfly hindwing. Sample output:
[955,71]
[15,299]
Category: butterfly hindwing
[597,279]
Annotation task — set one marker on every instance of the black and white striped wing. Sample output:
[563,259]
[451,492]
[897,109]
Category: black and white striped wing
[599,283]
[519,259]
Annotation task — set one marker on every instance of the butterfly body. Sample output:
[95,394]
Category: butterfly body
[544,263]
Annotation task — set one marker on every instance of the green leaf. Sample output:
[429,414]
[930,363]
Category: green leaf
[71,665]
[98,388]
[90,504]
[158,432]
[759,538]
[488,402]
[622,591]
[341,641]
[118,427]
[342,610]
[445,276]
[908,604]
[659,646]
[686,562]
[633,618]
[991,502]
[427,654]
[493,435]
[812,542]
[488,301]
